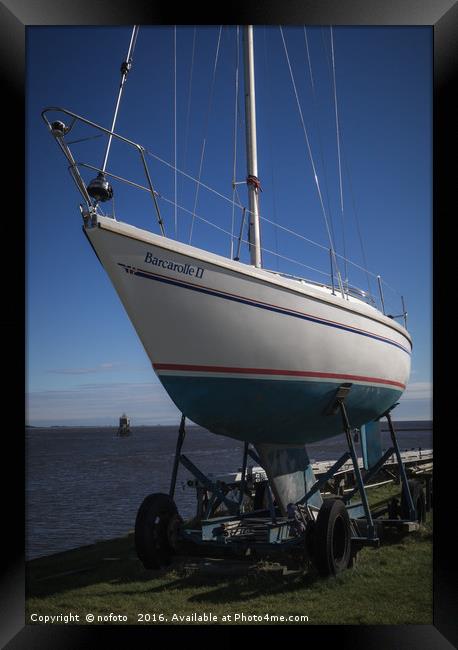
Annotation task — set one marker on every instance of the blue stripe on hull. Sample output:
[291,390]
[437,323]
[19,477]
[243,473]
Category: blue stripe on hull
[273,411]
[253,303]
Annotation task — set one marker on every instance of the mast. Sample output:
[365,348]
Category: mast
[251,148]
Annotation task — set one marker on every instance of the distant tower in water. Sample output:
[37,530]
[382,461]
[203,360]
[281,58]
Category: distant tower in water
[124,426]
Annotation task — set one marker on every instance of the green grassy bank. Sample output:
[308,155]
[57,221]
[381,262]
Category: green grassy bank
[390,585]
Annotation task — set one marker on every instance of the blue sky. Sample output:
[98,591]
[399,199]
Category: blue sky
[85,364]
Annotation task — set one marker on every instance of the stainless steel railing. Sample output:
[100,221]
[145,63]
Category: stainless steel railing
[59,130]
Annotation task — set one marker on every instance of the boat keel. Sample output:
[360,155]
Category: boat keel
[290,474]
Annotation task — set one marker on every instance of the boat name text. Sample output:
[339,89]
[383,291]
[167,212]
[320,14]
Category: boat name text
[185,269]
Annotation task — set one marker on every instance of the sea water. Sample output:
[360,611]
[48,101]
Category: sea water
[86,484]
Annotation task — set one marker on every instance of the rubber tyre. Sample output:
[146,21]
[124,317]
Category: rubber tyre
[332,543]
[154,517]
[419,501]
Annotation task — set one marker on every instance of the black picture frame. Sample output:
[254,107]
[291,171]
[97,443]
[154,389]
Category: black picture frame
[15,16]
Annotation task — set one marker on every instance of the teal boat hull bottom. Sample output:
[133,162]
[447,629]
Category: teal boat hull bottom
[274,411]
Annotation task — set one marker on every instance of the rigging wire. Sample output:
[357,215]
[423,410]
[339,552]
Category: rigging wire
[125,67]
[365,269]
[270,102]
[325,48]
[175,122]
[204,143]
[358,226]
[337,118]
[328,60]
[338,150]
[188,110]
[320,139]
[91,137]
[296,234]
[317,183]
[244,241]
[239,204]
[192,178]
[234,169]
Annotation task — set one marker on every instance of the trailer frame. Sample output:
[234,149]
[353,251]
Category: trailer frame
[263,532]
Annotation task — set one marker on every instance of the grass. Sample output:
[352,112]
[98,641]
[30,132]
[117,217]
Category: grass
[390,585]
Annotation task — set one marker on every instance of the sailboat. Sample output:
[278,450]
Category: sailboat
[242,351]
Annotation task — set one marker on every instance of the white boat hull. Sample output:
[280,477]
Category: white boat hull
[246,353]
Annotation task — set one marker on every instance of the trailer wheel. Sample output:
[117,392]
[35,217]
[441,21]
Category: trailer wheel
[419,501]
[156,530]
[332,538]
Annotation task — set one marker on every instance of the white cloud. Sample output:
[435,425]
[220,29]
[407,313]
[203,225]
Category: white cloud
[102,367]
[416,402]
[418,390]
[146,403]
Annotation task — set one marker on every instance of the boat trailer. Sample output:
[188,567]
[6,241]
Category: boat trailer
[238,514]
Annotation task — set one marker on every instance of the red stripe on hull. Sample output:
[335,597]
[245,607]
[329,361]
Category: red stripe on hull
[269,371]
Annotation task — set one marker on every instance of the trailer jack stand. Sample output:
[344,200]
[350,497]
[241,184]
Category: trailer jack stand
[402,471]
[339,405]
